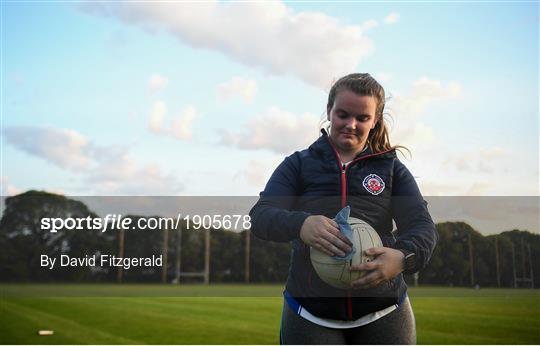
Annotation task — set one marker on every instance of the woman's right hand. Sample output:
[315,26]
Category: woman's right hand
[323,234]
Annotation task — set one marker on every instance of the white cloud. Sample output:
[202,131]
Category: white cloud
[122,175]
[180,126]
[157,82]
[483,160]
[108,170]
[258,172]
[423,92]
[238,86]
[427,87]
[383,77]
[267,35]
[492,153]
[7,189]
[63,147]
[406,108]
[453,170]
[275,130]
[478,189]
[421,133]
[444,185]
[433,187]
[391,18]
[444,170]
[420,95]
[157,117]
[369,24]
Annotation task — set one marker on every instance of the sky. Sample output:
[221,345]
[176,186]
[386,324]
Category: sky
[207,98]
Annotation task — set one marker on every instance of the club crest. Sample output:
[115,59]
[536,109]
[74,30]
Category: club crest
[374,184]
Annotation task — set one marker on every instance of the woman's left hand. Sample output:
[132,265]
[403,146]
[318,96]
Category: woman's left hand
[386,265]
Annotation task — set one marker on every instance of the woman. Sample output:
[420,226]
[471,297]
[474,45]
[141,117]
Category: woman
[353,165]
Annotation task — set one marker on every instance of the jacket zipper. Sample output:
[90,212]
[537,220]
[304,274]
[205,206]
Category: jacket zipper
[343,182]
[343,168]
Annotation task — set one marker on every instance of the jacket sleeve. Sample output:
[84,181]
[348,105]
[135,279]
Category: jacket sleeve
[416,231]
[272,217]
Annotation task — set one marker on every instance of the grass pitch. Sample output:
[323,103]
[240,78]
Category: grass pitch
[233,314]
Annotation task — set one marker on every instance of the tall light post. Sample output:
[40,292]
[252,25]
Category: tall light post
[471,259]
[497,261]
[468,239]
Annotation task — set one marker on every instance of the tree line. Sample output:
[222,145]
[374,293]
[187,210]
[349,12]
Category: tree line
[463,256]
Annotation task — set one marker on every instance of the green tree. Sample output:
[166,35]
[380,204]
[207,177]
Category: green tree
[23,240]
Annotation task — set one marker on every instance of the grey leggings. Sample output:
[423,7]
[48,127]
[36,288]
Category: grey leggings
[398,327]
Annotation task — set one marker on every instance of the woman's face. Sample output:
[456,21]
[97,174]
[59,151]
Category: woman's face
[352,117]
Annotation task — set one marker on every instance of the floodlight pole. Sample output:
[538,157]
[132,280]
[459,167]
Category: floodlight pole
[471,260]
[530,265]
[522,259]
[246,260]
[497,261]
[514,264]
[207,257]
[120,271]
[165,255]
[178,253]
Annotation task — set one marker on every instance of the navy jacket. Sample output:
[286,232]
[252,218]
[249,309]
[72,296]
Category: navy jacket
[313,182]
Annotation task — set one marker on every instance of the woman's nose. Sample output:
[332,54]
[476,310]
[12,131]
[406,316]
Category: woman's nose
[351,123]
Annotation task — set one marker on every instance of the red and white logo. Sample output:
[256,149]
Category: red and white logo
[374,184]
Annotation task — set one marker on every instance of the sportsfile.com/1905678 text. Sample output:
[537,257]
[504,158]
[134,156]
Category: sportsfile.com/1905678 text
[117,222]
